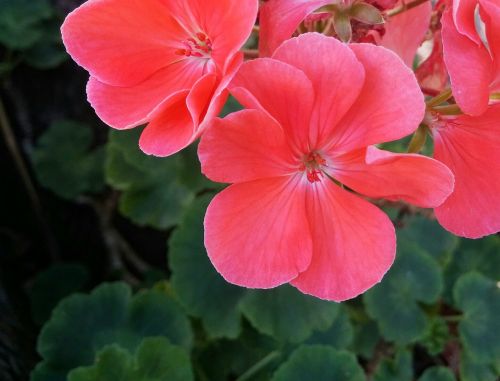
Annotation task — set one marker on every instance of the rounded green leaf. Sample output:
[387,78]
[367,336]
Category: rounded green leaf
[472,370]
[52,285]
[366,337]
[83,324]
[398,369]
[339,335]
[415,277]
[201,290]
[287,314]
[436,336]
[437,373]
[64,162]
[155,360]
[320,363]
[429,236]
[481,255]
[155,191]
[478,297]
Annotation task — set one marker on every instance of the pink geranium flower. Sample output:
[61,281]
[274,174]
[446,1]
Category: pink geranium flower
[473,64]
[162,62]
[469,147]
[293,157]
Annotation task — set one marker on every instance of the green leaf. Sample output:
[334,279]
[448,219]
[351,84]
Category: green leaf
[201,290]
[287,314]
[428,235]
[339,335]
[81,325]
[482,255]
[232,105]
[366,337]
[65,163]
[155,191]
[437,373]
[49,52]
[320,363]
[415,277]
[436,336]
[472,370]
[397,369]
[156,360]
[43,372]
[20,22]
[478,297]
[54,284]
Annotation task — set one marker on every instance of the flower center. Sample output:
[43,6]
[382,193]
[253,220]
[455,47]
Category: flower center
[198,46]
[312,164]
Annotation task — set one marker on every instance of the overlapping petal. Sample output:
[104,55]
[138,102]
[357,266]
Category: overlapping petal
[469,147]
[390,105]
[416,179]
[354,244]
[279,89]
[257,234]
[245,146]
[122,42]
[405,32]
[470,67]
[337,82]
[280,18]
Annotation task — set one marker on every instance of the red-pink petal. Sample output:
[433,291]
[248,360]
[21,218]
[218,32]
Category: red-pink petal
[404,33]
[416,179]
[469,147]
[122,42]
[490,12]
[170,130]
[463,13]
[127,107]
[279,89]
[280,18]
[470,67]
[245,146]
[354,244]
[337,81]
[390,105]
[432,74]
[257,234]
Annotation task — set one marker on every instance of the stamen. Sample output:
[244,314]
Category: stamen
[312,164]
[200,47]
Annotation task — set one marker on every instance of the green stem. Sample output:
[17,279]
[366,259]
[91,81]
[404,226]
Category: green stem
[418,140]
[405,7]
[440,98]
[259,366]
[495,96]
[453,318]
[448,110]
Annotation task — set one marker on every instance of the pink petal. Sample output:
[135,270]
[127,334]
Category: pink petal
[469,147]
[354,244]
[245,146]
[404,33]
[337,82]
[463,14]
[257,234]
[176,125]
[280,18]
[432,74]
[470,68]
[389,107]
[416,179]
[122,42]
[490,12]
[170,130]
[127,107]
[281,90]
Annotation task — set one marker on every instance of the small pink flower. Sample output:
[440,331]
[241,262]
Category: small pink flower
[315,110]
[162,62]
[469,147]
[473,66]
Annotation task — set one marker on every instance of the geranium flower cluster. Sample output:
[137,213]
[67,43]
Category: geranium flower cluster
[331,80]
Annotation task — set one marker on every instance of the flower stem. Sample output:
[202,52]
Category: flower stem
[453,109]
[440,98]
[404,7]
[495,96]
[418,140]
[259,366]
